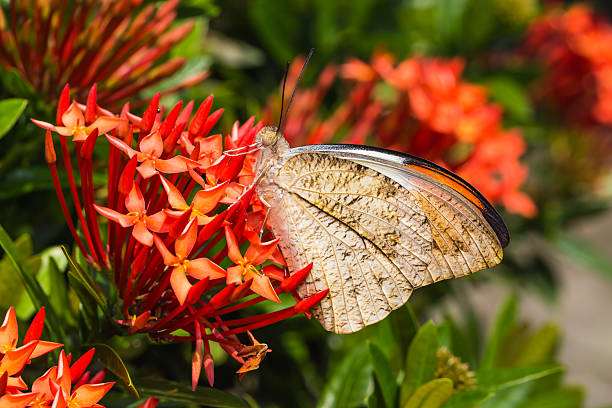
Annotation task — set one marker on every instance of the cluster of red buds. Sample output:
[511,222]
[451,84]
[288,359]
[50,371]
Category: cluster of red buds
[116,44]
[420,106]
[575,46]
[178,207]
[67,385]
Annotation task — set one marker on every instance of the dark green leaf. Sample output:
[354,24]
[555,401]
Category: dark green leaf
[504,323]
[88,309]
[431,395]
[467,399]
[350,382]
[178,392]
[384,376]
[421,361]
[87,283]
[111,360]
[501,378]
[35,292]
[10,110]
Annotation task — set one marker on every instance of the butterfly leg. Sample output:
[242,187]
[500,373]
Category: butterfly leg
[263,225]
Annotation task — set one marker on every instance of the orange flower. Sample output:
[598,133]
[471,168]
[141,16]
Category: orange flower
[137,217]
[74,124]
[258,253]
[201,268]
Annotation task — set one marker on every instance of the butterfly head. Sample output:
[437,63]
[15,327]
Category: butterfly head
[268,136]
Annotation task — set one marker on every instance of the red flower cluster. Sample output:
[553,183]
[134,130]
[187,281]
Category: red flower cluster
[63,386]
[575,46]
[117,44]
[179,207]
[420,106]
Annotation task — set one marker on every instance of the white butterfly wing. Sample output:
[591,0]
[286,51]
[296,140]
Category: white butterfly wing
[374,229]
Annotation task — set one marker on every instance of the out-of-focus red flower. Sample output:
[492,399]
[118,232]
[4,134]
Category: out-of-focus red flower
[119,45]
[53,388]
[575,46]
[420,106]
[181,192]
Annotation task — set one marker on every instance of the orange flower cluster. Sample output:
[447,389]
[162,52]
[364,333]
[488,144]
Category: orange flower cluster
[575,46]
[116,44]
[66,385]
[420,106]
[178,206]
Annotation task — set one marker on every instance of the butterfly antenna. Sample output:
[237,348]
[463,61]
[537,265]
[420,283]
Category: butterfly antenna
[284,115]
[280,119]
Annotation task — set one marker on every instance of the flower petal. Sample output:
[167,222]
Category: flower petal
[14,360]
[134,201]
[152,144]
[17,400]
[206,200]
[147,168]
[73,116]
[258,253]
[261,285]
[175,198]
[232,246]
[88,395]
[156,222]
[9,330]
[169,258]
[180,284]
[43,347]
[124,220]
[176,164]
[105,124]
[234,275]
[205,268]
[142,234]
[185,242]
[119,144]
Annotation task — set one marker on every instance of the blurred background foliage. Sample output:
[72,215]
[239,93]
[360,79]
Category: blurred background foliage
[244,47]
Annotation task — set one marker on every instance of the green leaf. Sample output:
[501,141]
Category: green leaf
[562,398]
[109,358]
[10,110]
[37,295]
[384,376]
[350,382]
[421,361]
[501,378]
[504,323]
[178,392]
[468,399]
[584,253]
[538,348]
[431,395]
[87,283]
[512,95]
[405,325]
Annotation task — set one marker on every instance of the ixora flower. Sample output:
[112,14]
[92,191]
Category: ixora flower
[111,43]
[53,388]
[177,209]
[420,106]
[575,47]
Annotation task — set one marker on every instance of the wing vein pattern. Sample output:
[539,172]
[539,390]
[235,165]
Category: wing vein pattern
[372,234]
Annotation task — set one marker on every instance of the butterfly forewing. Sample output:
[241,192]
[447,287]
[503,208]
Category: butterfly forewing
[374,230]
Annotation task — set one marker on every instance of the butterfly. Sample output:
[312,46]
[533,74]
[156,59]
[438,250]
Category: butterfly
[376,224]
